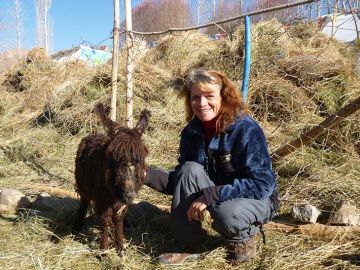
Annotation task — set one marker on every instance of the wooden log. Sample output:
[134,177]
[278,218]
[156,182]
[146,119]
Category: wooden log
[316,131]
[54,191]
[283,225]
[59,192]
[320,230]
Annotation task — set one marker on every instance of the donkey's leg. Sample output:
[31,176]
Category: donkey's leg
[81,212]
[105,220]
[119,212]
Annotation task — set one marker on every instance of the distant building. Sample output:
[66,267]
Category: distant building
[342,27]
[91,56]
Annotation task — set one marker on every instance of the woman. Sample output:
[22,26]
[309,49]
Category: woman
[224,167]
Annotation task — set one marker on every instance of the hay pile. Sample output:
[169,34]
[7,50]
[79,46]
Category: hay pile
[298,78]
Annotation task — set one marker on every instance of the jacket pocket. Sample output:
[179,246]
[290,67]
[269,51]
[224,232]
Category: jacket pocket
[223,165]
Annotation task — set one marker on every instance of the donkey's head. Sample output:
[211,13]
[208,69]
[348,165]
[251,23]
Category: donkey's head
[125,156]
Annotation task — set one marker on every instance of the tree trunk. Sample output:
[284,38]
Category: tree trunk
[46,27]
[355,21]
[43,29]
[318,9]
[18,21]
[214,10]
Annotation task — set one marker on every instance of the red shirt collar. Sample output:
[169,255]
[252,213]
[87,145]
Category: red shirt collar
[209,128]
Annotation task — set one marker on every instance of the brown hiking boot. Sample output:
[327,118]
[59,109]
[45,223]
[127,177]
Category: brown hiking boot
[176,258]
[242,251]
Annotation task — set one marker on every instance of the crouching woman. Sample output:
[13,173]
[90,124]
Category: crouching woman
[224,167]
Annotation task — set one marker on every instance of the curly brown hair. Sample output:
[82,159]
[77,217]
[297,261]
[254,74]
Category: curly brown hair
[231,103]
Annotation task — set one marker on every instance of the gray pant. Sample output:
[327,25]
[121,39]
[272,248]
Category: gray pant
[235,219]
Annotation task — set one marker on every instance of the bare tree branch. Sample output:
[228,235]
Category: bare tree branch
[43,24]
[19,18]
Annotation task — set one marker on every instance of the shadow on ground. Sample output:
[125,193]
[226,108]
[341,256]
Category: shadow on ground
[148,226]
[353,259]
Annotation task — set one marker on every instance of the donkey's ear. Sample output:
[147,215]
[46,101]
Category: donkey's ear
[105,119]
[143,121]
[99,109]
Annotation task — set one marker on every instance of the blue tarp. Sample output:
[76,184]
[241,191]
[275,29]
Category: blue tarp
[90,56]
[93,57]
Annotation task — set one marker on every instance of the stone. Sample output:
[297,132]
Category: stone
[4,209]
[345,214]
[11,200]
[305,213]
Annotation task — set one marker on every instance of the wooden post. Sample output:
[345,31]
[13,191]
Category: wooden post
[315,132]
[129,65]
[115,60]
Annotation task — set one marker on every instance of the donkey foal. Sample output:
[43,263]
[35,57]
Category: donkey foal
[109,170]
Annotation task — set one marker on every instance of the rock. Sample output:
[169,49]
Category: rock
[11,200]
[345,214]
[4,209]
[46,202]
[305,213]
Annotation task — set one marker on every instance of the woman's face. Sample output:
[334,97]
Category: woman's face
[205,101]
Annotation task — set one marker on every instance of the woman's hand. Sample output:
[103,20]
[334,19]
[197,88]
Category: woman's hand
[196,209]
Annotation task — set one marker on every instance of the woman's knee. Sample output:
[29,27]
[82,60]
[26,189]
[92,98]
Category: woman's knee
[188,172]
[228,223]
[225,228]
[238,218]
[190,167]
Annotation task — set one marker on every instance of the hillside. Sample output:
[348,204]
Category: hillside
[298,78]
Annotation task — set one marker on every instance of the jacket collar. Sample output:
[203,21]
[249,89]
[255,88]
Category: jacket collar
[194,126]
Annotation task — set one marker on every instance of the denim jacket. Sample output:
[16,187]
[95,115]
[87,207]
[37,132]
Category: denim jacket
[237,161]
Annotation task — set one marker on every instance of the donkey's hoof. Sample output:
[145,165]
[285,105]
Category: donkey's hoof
[101,256]
[121,252]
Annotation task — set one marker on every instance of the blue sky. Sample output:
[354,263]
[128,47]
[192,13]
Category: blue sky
[74,21]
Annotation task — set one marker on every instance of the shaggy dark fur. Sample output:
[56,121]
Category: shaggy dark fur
[110,171]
